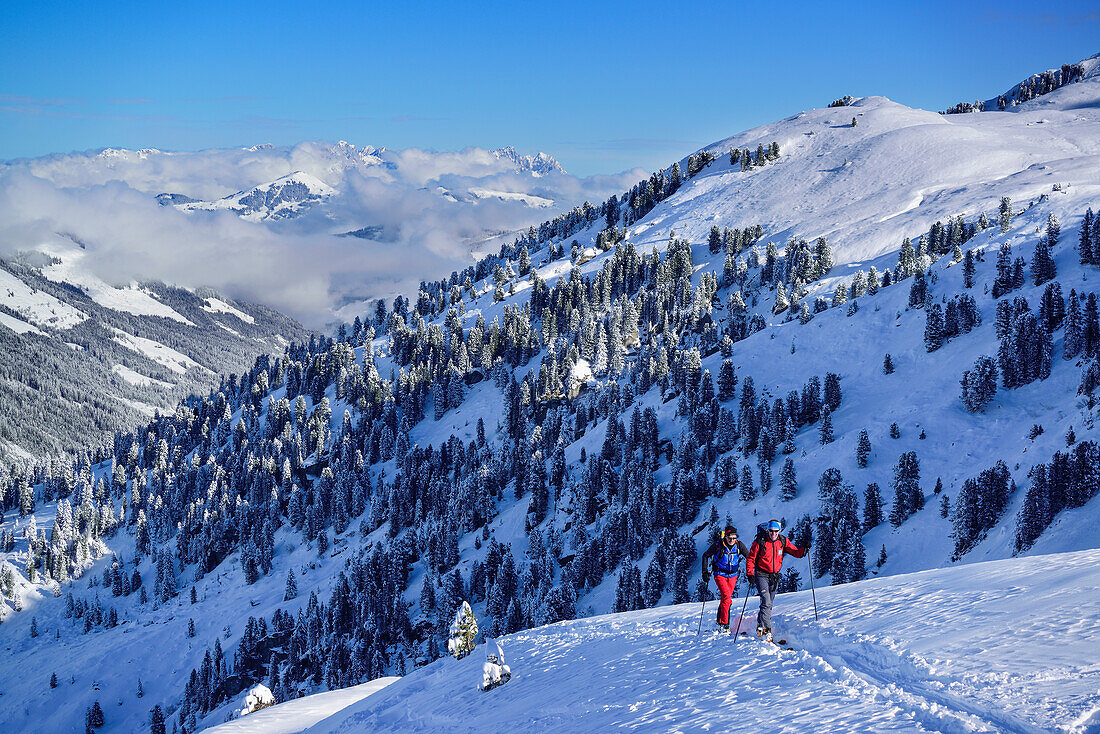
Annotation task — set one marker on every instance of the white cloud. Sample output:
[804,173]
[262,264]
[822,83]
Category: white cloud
[106,200]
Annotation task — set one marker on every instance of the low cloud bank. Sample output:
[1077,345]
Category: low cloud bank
[421,204]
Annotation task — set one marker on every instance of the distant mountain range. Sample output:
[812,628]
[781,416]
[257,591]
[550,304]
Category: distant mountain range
[399,207]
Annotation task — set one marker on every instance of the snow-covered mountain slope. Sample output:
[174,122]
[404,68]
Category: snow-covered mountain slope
[286,197]
[300,714]
[1034,86]
[893,174]
[84,358]
[1005,646]
[555,432]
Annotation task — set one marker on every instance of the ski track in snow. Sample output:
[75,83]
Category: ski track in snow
[980,648]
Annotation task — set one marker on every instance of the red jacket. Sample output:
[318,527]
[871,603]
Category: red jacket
[768,557]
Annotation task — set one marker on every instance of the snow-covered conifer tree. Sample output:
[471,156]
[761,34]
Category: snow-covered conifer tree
[1005,214]
[1042,264]
[908,497]
[788,483]
[863,449]
[463,632]
[872,507]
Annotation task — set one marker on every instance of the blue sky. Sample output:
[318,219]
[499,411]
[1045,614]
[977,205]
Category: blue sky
[603,87]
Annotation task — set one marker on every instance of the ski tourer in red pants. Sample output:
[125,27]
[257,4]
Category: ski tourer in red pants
[723,559]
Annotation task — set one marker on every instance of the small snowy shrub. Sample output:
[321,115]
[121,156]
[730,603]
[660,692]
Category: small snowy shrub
[495,672]
[259,697]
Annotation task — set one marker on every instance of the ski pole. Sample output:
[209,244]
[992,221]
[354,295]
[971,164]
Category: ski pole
[748,592]
[702,610]
[810,563]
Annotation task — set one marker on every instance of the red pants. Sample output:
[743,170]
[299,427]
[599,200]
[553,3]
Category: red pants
[726,585]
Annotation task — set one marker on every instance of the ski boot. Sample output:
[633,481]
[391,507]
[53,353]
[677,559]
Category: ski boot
[724,628]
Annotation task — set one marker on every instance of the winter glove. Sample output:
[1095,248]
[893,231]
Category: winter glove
[752,579]
[706,578]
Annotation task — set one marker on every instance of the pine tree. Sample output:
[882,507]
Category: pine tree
[832,391]
[463,632]
[1090,327]
[1071,337]
[1054,231]
[1005,214]
[53,680]
[933,328]
[96,718]
[727,381]
[908,497]
[872,507]
[980,504]
[907,260]
[156,721]
[765,477]
[881,557]
[1052,309]
[863,449]
[1002,283]
[979,384]
[788,483]
[748,492]
[291,591]
[714,240]
[1084,244]
[1034,515]
[887,364]
[968,269]
[825,434]
[1042,264]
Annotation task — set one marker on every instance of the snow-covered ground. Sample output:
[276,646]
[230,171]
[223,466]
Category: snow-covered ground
[136,378]
[300,714]
[1001,646]
[35,306]
[159,353]
[216,305]
[68,268]
[18,325]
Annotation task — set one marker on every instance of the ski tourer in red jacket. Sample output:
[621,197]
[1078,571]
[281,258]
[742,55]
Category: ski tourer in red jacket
[766,553]
[762,567]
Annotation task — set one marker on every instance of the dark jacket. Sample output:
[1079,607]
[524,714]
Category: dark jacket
[722,560]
